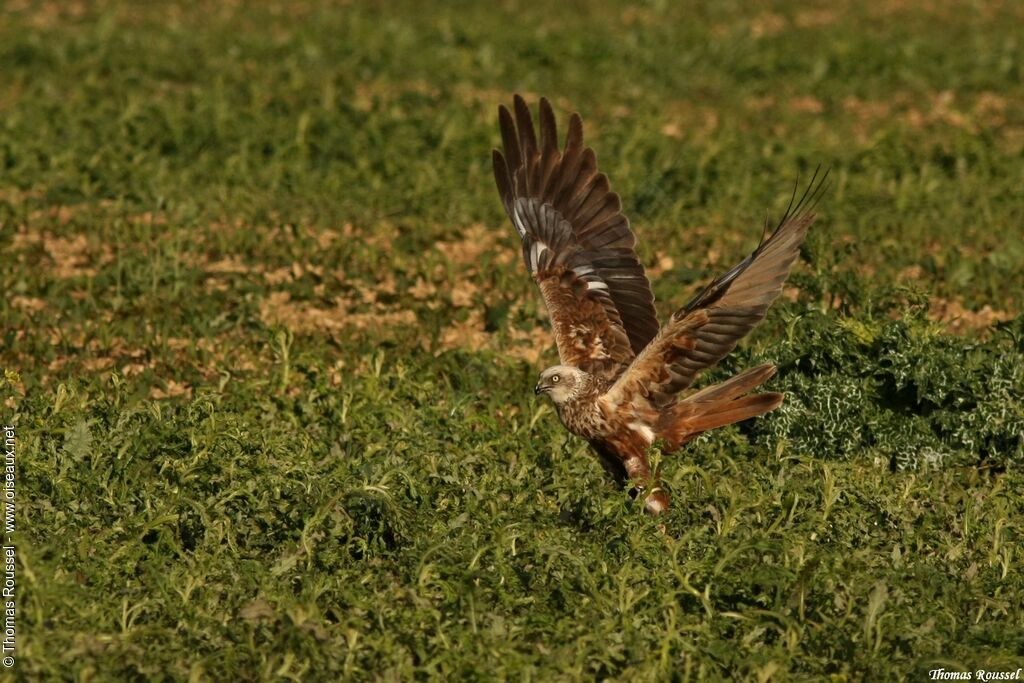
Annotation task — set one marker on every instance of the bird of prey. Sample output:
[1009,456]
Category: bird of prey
[623,379]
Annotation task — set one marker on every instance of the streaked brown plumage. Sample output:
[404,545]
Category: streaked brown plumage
[620,382]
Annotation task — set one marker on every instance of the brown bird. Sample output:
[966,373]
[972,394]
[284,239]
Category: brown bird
[621,382]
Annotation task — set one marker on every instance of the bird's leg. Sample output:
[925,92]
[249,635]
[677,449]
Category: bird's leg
[639,472]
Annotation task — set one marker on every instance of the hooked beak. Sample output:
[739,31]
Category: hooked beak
[538,390]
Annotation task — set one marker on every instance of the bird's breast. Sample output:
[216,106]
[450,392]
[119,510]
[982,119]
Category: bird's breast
[583,418]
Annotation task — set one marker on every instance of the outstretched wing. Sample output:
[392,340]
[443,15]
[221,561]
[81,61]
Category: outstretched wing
[701,333]
[577,243]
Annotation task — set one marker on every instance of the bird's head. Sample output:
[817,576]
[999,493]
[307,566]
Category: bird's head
[560,382]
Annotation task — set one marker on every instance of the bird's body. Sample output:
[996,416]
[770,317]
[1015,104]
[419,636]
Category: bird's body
[622,378]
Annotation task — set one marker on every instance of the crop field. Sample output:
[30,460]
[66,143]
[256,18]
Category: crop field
[268,345]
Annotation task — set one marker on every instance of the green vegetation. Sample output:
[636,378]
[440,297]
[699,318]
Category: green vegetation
[269,347]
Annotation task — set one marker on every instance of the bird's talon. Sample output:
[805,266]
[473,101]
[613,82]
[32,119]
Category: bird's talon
[657,502]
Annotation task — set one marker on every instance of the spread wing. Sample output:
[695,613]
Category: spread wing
[701,333]
[577,243]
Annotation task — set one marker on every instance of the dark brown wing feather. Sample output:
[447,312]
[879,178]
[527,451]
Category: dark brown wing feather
[576,242]
[701,333]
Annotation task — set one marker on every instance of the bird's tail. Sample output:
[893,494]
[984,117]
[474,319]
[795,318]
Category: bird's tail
[716,406]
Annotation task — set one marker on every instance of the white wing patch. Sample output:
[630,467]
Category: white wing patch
[645,432]
[518,220]
[537,250]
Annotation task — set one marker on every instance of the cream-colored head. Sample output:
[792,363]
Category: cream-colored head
[560,382]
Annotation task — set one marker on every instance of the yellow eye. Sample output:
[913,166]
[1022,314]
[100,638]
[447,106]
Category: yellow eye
[555,379]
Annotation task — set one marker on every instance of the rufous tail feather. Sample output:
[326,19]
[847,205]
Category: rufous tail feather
[716,406]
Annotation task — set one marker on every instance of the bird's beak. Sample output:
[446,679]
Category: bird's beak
[538,390]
